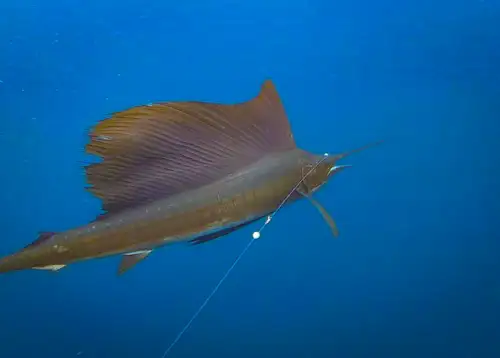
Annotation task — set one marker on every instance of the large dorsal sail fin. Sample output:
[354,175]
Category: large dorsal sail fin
[155,151]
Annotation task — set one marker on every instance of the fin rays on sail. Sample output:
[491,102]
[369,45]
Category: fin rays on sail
[162,149]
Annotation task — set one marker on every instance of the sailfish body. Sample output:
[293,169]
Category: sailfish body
[182,171]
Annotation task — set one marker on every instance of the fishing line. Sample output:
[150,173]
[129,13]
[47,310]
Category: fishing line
[255,236]
[207,299]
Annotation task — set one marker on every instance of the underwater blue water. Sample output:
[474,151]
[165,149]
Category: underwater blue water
[415,271]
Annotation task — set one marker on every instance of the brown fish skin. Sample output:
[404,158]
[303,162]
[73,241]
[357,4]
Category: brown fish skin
[182,171]
[254,191]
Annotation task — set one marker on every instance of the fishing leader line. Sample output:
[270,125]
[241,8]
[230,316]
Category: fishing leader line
[255,236]
[181,333]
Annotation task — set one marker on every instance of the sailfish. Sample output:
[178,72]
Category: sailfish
[184,171]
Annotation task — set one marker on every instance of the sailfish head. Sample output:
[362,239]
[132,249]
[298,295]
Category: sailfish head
[326,166]
[317,172]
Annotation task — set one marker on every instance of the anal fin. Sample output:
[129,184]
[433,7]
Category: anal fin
[131,259]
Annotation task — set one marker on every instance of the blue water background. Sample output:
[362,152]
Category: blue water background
[415,271]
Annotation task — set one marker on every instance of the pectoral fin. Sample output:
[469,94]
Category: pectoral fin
[329,220]
[130,260]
